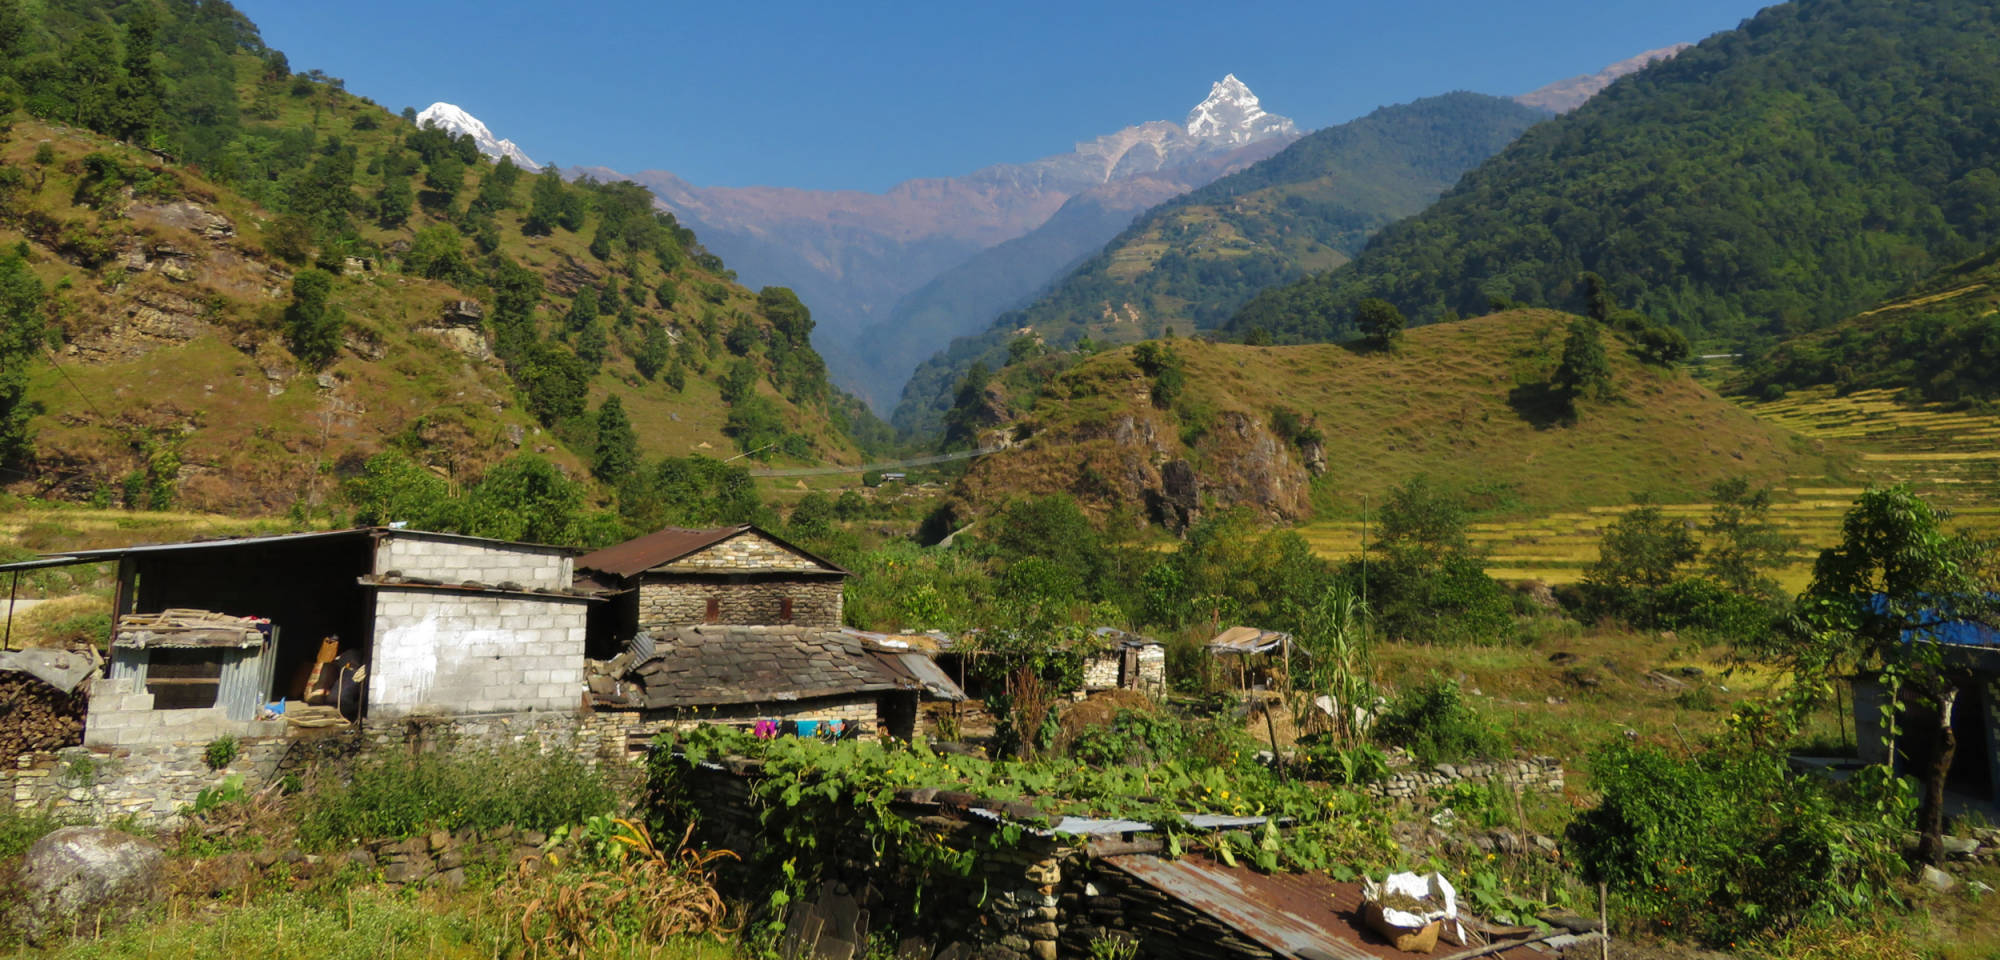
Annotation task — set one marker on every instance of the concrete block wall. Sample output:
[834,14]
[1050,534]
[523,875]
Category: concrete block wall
[666,602]
[121,714]
[745,551]
[438,652]
[456,561]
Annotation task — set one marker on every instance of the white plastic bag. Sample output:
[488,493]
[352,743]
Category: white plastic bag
[1417,887]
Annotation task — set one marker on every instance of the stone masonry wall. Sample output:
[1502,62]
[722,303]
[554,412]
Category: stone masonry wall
[149,784]
[443,652]
[745,551]
[666,602]
[456,561]
[1543,774]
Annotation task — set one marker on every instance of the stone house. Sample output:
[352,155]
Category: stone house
[740,575]
[427,623]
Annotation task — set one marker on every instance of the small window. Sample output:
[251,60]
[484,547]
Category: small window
[183,679]
[785,610]
[714,610]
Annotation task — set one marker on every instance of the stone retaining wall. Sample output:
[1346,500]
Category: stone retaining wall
[1542,774]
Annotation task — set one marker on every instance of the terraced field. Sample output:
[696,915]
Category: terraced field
[1950,456]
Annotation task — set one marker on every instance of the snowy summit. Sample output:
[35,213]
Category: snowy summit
[1232,114]
[449,118]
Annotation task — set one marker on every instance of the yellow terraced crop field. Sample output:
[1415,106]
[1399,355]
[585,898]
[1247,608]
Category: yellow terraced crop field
[1950,456]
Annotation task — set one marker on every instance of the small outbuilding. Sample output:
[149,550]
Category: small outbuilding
[1126,661]
[1972,650]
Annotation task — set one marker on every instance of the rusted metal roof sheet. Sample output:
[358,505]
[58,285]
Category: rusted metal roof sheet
[640,554]
[1244,640]
[1302,915]
[661,547]
[1124,638]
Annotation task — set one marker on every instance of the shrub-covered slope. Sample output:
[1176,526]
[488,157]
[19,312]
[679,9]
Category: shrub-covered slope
[1466,404]
[228,283]
[1776,177]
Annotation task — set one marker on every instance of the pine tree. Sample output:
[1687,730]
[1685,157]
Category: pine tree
[617,452]
[313,326]
[23,333]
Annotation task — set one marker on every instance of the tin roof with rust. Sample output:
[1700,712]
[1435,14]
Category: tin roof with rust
[666,545]
[718,665]
[1302,915]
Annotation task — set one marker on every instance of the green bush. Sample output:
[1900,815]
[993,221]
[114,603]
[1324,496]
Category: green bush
[401,795]
[1723,844]
[1436,725]
[19,829]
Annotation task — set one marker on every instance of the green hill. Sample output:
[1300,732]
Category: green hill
[169,185]
[1775,178]
[1192,261]
[1462,403]
[1939,342]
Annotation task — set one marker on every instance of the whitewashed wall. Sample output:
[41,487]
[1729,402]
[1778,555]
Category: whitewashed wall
[438,652]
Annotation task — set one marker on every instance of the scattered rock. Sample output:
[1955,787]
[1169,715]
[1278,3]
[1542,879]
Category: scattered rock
[1937,879]
[76,875]
[1960,848]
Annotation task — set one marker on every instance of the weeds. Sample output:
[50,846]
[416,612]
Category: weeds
[1436,725]
[635,892]
[404,794]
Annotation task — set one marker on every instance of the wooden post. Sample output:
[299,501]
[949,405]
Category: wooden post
[1604,920]
[7,642]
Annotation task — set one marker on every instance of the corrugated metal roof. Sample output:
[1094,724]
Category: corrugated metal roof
[1125,638]
[1248,640]
[225,543]
[922,669]
[1302,915]
[661,547]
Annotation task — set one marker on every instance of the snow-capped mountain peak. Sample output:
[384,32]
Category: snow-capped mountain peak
[1233,115]
[452,119]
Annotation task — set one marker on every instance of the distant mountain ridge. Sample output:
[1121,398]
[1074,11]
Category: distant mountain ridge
[1563,96]
[853,255]
[454,120]
[1189,262]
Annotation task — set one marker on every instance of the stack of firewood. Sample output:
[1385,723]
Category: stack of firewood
[36,716]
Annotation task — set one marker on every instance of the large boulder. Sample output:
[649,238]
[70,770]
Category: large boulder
[77,878]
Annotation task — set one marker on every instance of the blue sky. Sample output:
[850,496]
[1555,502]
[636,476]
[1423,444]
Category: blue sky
[834,95]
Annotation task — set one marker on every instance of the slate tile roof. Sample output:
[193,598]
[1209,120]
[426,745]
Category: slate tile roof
[714,665]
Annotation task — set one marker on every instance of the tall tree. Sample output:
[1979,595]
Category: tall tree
[1585,369]
[616,454]
[312,325]
[23,333]
[1379,320]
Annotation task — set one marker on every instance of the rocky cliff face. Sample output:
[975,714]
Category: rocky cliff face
[1100,438]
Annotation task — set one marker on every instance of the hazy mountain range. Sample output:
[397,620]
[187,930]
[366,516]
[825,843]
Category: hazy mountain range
[892,277]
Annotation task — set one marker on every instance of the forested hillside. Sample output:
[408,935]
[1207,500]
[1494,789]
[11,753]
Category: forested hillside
[231,284]
[1775,178]
[1940,342]
[1190,262]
